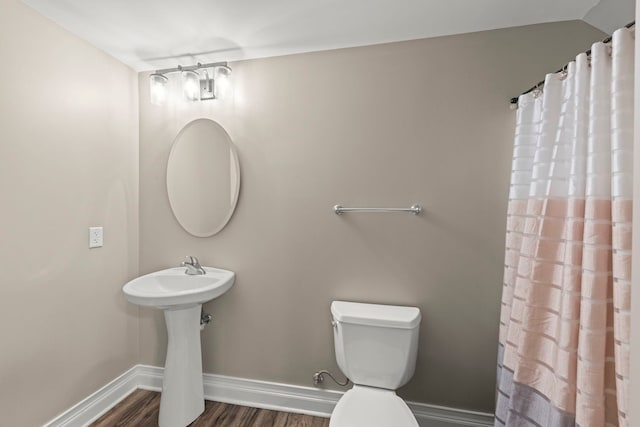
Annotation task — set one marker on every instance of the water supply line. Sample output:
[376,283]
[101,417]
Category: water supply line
[318,378]
[205,319]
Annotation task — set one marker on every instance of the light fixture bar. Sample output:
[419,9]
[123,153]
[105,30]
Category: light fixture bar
[192,67]
[193,86]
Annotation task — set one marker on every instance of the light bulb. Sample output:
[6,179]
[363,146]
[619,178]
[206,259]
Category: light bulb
[191,85]
[157,89]
[222,83]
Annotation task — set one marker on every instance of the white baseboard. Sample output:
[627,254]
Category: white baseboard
[442,416]
[253,393]
[92,407]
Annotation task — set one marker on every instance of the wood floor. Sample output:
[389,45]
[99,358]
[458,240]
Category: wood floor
[140,409]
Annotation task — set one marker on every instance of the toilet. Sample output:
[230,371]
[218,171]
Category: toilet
[376,347]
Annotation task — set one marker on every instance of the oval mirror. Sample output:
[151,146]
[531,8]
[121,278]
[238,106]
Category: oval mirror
[203,178]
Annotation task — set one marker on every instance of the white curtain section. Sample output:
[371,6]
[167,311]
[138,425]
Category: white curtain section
[565,320]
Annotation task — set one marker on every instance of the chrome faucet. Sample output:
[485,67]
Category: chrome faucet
[193,266]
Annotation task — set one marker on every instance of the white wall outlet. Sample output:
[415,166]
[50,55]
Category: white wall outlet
[95,237]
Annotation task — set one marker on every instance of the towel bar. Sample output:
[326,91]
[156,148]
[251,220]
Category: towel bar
[415,209]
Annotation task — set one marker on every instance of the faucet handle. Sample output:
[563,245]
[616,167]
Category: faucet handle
[193,265]
[191,260]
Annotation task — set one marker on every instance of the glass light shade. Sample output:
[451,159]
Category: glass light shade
[157,89]
[191,85]
[222,82]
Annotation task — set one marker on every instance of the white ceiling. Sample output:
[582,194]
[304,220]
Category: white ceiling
[153,34]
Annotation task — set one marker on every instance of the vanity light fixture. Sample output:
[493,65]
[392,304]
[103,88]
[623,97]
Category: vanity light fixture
[222,86]
[157,88]
[206,87]
[191,85]
[196,86]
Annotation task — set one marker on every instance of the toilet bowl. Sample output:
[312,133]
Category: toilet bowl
[372,407]
[376,347]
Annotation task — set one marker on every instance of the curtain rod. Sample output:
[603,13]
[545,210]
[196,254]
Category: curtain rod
[514,101]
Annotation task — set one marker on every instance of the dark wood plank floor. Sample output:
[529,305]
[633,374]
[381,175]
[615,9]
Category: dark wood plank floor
[140,409]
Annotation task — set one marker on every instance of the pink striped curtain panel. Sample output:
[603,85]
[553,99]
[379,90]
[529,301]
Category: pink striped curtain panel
[564,326]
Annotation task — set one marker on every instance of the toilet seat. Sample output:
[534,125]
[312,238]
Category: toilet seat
[371,407]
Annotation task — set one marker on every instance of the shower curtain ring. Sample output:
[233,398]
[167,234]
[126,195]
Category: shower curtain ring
[564,72]
[537,91]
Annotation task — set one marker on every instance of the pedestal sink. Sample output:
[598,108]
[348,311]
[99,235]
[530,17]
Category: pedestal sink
[181,297]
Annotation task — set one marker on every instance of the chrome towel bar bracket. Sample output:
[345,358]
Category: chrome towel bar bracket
[415,209]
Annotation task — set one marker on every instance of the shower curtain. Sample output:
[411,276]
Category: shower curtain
[564,325]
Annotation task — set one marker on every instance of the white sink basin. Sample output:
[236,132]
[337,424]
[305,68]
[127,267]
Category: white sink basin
[172,287]
[181,297]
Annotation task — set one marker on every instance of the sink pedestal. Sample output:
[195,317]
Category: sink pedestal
[182,399]
[181,296]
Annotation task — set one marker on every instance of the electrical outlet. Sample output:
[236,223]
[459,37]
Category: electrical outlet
[95,237]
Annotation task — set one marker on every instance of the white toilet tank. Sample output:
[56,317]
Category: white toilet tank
[376,345]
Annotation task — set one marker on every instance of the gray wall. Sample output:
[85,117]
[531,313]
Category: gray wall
[424,121]
[68,160]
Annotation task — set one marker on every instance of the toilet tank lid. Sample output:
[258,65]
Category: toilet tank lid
[390,316]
